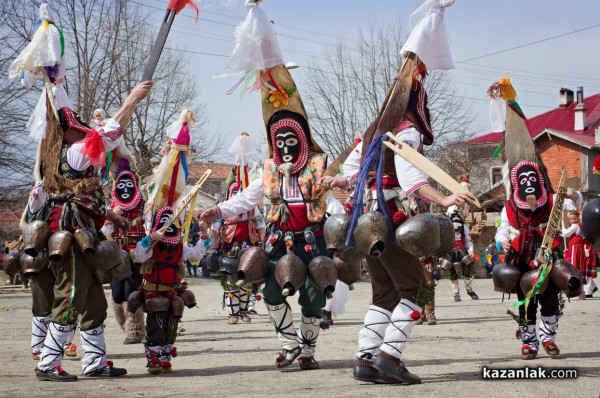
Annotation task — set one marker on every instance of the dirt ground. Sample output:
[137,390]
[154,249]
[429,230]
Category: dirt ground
[220,360]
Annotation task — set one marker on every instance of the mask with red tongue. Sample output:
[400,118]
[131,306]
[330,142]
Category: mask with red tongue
[529,188]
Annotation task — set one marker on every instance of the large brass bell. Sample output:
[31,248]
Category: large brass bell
[35,237]
[84,240]
[567,278]
[290,274]
[157,304]
[254,266]
[32,266]
[177,307]
[322,274]
[134,301]
[426,235]
[505,278]
[123,270]
[59,245]
[348,272]
[334,231]
[371,234]
[188,297]
[106,256]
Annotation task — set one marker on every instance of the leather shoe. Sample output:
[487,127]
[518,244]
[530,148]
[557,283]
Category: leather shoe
[372,375]
[107,371]
[395,370]
[57,374]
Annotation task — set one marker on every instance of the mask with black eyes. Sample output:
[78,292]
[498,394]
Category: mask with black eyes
[529,189]
[287,145]
[289,134]
[165,218]
[162,218]
[125,191]
[125,188]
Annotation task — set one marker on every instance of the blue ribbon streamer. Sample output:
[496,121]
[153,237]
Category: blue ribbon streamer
[184,167]
[373,155]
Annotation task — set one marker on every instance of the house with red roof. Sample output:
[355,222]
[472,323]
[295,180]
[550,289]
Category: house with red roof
[566,137]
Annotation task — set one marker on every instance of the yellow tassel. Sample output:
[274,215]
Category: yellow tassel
[508,91]
[188,220]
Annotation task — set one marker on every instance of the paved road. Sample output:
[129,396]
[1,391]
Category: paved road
[223,360]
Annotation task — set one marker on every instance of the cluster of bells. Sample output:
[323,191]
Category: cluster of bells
[40,247]
[422,235]
[565,276]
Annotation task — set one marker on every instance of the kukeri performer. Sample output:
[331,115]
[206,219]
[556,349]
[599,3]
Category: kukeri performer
[397,276]
[42,294]
[164,295]
[162,253]
[233,233]
[289,182]
[127,201]
[73,207]
[524,218]
[461,256]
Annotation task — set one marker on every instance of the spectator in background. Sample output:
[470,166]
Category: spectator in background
[204,235]
[193,238]
[491,258]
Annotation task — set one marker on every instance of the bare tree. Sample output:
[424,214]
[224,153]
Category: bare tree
[107,45]
[345,91]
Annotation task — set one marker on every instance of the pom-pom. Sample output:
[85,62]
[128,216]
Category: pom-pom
[230,296]
[415,315]
[348,207]
[308,248]
[174,352]
[289,244]
[171,293]
[93,148]
[398,218]
[258,297]
[123,165]
[357,141]
[109,364]
[272,240]
[518,334]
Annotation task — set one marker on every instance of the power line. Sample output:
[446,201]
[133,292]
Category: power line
[529,44]
[533,73]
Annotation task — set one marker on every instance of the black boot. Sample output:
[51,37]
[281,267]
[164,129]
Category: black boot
[364,371]
[56,374]
[394,368]
[107,371]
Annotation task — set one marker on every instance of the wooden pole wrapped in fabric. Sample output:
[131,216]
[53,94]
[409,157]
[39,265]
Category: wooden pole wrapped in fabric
[392,110]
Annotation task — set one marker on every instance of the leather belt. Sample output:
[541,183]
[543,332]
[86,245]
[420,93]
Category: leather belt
[299,235]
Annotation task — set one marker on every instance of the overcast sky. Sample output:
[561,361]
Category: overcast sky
[544,45]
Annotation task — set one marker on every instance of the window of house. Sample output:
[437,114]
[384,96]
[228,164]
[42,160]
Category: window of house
[496,173]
